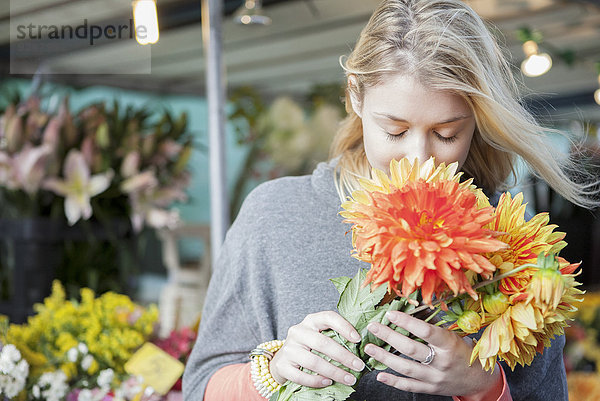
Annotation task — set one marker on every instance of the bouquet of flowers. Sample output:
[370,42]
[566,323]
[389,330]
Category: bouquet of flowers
[435,243]
[103,162]
[75,350]
[108,170]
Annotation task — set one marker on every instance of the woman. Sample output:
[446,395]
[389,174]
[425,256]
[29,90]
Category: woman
[425,79]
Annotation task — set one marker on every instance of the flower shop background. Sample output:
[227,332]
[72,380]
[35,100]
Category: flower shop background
[284,85]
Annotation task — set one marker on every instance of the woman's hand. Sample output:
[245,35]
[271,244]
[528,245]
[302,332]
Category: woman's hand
[306,336]
[448,373]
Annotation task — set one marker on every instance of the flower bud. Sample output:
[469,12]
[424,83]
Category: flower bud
[495,303]
[547,287]
[469,321]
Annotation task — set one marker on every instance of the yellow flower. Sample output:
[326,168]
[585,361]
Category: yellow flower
[495,303]
[526,327]
[547,287]
[469,321]
[60,325]
[526,240]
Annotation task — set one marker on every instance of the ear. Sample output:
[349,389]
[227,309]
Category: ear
[352,90]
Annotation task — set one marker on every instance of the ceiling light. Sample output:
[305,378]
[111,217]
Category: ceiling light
[597,92]
[250,13]
[536,63]
[145,20]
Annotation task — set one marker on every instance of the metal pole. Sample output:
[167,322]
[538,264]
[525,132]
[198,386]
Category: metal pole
[212,11]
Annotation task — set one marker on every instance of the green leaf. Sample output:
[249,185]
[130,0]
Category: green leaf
[357,303]
[340,283]
[335,392]
[286,391]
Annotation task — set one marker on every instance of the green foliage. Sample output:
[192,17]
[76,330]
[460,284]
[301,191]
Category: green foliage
[360,306]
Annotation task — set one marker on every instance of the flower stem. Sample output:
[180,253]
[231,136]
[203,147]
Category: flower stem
[478,285]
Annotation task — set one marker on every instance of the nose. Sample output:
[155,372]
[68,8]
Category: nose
[418,148]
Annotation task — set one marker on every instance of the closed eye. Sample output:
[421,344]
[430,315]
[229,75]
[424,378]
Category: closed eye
[394,137]
[446,139]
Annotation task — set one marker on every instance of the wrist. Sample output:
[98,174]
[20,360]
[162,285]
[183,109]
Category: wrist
[490,393]
[260,371]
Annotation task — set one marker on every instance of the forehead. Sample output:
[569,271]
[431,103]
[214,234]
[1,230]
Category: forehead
[405,97]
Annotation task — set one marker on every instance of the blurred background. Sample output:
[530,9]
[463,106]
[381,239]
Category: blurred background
[75,76]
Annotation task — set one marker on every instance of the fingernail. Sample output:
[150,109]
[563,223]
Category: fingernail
[370,350]
[355,336]
[327,382]
[373,328]
[358,365]
[349,379]
[382,379]
[390,315]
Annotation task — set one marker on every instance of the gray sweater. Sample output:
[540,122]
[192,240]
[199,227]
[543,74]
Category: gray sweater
[274,269]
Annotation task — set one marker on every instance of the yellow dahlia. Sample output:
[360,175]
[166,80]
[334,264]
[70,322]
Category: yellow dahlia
[532,318]
[526,240]
[421,228]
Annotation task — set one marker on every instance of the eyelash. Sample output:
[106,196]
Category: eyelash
[397,137]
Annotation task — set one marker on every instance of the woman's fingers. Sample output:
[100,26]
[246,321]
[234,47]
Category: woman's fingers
[405,345]
[320,366]
[305,337]
[288,369]
[332,320]
[433,335]
[313,340]
[401,365]
[407,384]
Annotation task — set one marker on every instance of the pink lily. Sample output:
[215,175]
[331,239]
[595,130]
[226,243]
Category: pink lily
[131,164]
[30,167]
[79,186]
[6,171]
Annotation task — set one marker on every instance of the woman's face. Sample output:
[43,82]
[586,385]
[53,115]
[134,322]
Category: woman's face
[402,118]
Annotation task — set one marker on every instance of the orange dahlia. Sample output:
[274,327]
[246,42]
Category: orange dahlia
[422,228]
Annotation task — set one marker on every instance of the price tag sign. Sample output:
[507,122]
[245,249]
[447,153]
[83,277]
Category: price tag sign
[158,369]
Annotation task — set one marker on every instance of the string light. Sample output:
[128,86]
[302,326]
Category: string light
[250,13]
[145,19]
[535,64]
[597,92]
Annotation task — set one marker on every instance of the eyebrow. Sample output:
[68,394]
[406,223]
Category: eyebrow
[401,120]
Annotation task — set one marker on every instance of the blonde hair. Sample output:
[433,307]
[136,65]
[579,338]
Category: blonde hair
[446,46]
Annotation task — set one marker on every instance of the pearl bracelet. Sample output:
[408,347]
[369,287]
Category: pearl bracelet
[259,367]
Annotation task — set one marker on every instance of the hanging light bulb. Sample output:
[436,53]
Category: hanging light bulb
[250,13]
[145,20]
[597,92]
[535,64]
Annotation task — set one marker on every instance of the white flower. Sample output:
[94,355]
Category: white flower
[78,186]
[286,115]
[11,353]
[72,354]
[36,391]
[14,371]
[83,349]
[87,361]
[22,369]
[12,389]
[6,365]
[54,385]
[85,395]
[105,378]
